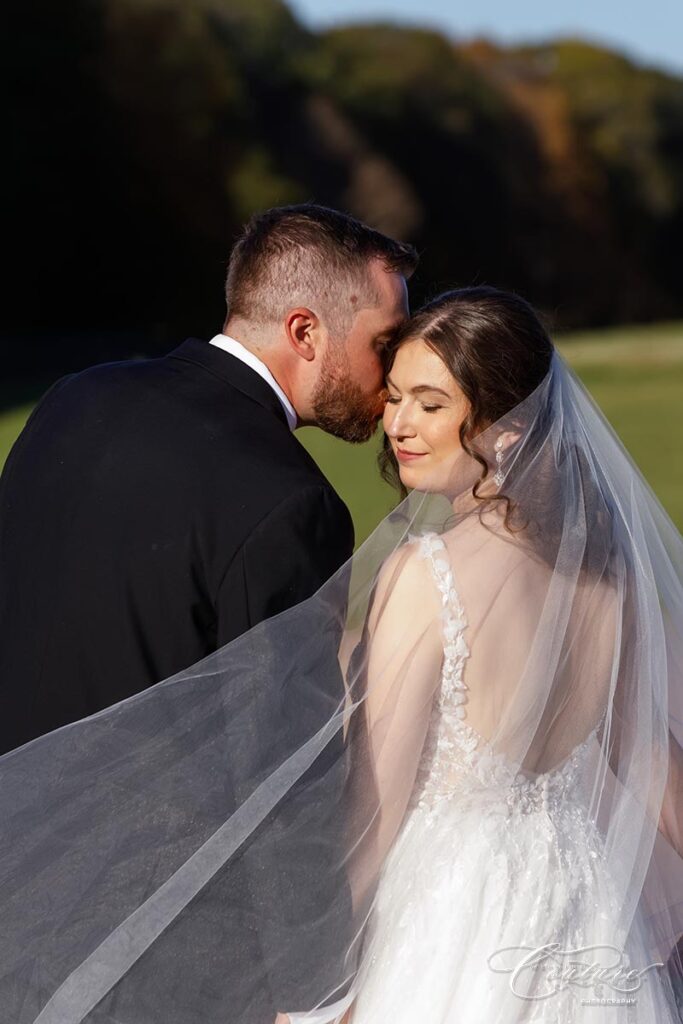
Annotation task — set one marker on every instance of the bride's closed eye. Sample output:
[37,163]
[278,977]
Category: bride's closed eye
[395,400]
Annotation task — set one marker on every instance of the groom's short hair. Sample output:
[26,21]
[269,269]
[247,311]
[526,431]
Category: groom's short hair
[309,255]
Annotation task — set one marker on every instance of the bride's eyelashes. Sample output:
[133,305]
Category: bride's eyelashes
[393,400]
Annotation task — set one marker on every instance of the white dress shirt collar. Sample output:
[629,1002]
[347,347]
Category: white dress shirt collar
[235,348]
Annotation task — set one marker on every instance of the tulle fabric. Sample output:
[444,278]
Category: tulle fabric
[236,837]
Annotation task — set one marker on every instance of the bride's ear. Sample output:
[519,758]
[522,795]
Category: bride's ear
[302,328]
[508,438]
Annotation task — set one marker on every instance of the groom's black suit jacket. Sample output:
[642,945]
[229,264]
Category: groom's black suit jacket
[150,512]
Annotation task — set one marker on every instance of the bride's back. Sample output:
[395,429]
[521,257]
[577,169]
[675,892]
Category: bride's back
[541,645]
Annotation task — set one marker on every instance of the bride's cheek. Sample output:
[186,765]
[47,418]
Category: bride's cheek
[448,441]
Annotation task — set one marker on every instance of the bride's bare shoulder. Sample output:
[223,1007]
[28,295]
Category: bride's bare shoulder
[405,588]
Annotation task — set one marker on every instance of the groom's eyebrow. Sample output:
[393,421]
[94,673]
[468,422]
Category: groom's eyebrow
[421,388]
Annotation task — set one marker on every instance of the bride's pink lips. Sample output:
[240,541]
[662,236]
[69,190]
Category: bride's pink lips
[404,456]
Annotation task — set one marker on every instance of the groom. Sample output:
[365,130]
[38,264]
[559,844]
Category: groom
[152,511]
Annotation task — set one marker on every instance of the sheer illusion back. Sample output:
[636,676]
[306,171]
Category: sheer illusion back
[457,753]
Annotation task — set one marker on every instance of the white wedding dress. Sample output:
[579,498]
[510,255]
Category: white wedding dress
[480,865]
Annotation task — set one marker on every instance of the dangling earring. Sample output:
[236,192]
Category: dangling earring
[499,476]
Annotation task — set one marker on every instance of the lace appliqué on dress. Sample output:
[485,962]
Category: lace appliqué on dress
[455,755]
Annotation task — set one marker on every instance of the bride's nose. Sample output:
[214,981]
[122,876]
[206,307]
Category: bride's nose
[399,424]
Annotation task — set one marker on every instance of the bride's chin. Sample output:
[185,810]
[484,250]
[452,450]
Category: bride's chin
[421,481]
[410,479]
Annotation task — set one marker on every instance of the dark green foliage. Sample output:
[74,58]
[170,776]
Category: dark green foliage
[143,132]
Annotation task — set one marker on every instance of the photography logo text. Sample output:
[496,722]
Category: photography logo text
[541,972]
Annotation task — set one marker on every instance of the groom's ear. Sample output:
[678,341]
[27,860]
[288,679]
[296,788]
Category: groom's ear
[303,328]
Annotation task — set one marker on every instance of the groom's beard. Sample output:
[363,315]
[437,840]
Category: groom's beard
[340,405]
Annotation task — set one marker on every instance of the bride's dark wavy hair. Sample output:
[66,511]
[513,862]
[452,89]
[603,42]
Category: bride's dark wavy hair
[493,344]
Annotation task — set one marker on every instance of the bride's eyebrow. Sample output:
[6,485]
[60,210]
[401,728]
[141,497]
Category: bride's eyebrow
[421,388]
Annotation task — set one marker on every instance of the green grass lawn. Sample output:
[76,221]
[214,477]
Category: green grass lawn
[10,425]
[635,374]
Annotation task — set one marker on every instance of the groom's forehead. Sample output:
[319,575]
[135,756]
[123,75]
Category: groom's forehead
[393,292]
[400,309]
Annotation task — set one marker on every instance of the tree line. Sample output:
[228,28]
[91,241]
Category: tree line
[141,133]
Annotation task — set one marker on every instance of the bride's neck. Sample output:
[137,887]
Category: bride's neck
[465,504]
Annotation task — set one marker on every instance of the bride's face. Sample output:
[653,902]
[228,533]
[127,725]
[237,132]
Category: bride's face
[422,417]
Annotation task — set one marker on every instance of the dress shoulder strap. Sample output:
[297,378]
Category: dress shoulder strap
[434,551]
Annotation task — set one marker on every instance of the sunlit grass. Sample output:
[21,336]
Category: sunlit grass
[11,425]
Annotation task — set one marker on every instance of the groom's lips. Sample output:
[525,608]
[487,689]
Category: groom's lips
[404,456]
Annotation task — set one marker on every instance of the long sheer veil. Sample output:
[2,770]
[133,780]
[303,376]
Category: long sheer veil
[251,801]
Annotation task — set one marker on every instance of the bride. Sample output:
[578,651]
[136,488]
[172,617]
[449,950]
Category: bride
[504,750]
